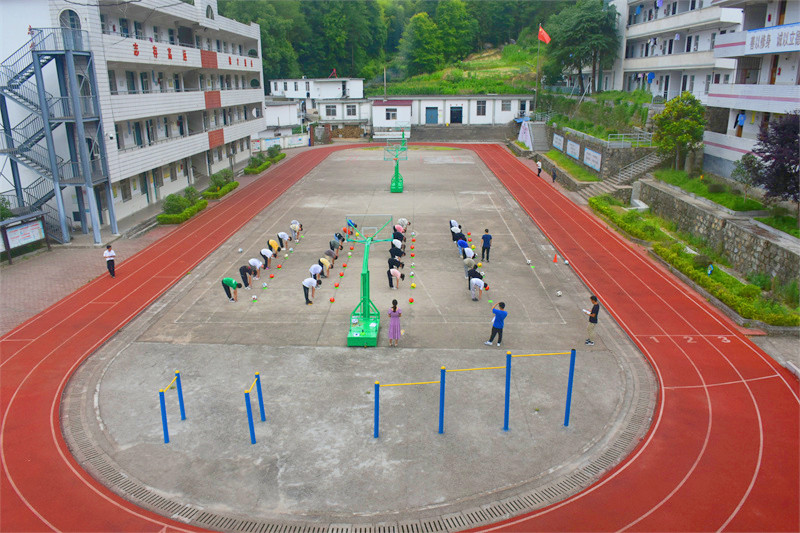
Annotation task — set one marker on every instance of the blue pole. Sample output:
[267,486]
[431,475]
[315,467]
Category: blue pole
[569,386]
[441,399]
[250,418]
[163,415]
[508,391]
[375,424]
[260,397]
[180,394]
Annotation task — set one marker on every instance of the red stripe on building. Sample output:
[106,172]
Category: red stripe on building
[208,59]
[213,100]
[729,44]
[216,138]
[756,97]
[740,150]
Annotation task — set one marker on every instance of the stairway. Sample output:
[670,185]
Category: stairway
[626,176]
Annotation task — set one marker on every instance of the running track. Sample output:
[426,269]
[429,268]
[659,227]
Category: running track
[722,453]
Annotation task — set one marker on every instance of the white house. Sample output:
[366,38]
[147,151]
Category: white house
[390,118]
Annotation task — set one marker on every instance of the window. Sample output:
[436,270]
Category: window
[688,43]
[166,127]
[351,110]
[240,50]
[150,129]
[708,83]
[158,178]
[145,82]
[505,105]
[130,81]
[691,84]
[219,46]
[119,139]
[137,29]
[112,82]
[171,36]
[176,82]
[713,39]
[391,113]
[308,86]
[481,108]
[173,172]
[330,110]
[219,154]
[103,23]
[125,190]
[124,29]
[285,86]
[209,13]
[225,46]
[295,86]
[275,86]
[726,79]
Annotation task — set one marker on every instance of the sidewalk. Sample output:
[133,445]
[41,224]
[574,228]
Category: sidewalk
[37,280]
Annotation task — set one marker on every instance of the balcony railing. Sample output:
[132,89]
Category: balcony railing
[189,133]
[174,42]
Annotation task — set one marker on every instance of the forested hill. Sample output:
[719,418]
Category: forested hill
[360,37]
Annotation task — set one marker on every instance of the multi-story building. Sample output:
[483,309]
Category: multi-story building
[332,102]
[766,82]
[669,46]
[179,91]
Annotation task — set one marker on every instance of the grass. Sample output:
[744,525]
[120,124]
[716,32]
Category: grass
[784,223]
[573,168]
[642,226]
[635,97]
[729,198]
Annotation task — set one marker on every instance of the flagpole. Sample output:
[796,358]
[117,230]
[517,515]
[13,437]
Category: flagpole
[538,84]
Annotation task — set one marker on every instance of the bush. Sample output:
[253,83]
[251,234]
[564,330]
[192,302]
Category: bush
[5,209]
[184,215]
[216,195]
[175,204]
[631,222]
[259,169]
[749,291]
[715,188]
[763,281]
[278,157]
[191,194]
[273,151]
[701,261]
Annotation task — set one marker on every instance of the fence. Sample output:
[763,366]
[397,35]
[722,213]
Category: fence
[630,140]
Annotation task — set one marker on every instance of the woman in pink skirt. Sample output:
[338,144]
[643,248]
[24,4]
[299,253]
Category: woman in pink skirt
[394,324]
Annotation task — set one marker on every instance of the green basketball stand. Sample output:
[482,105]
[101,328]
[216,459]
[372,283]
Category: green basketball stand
[396,152]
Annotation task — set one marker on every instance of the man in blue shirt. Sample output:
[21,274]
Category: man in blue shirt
[487,245]
[497,325]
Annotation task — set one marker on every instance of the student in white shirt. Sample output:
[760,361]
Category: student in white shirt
[476,285]
[315,272]
[267,254]
[109,254]
[283,237]
[258,265]
[309,283]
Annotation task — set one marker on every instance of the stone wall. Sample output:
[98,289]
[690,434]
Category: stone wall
[613,159]
[462,132]
[748,249]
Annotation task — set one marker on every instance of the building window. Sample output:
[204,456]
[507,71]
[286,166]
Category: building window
[481,108]
[308,86]
[330,110]
[125,190]
[240,50]
[173,172]
[137,29]
[103,23]
[176,82]
[130,81]
[505,105]
[286,86]
[166,127]
[275,86]
[225,46]
[391,113]
[171,36]
[112,82]
[145,82]
[351,110]
[158,178]
[119,139]
[295,86]
[124,28]
[219,45]
[209,13]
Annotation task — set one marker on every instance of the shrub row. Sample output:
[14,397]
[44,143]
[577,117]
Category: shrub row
[632,222]
[743,298]
[259,169]
[184,215]
[219,193]
[259,164]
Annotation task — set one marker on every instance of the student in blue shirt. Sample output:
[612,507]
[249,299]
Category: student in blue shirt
[497,325]
[487,245]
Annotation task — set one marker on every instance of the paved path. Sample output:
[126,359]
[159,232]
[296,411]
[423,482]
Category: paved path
[722,452]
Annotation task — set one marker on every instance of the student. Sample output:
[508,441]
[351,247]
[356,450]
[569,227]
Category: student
[468,253]
[258,265]
[246,272]
[473,274]
[404,223]
[109,254]
[309,283]
[283,238]
[397,243]
[592,320]
[331,255]
[476,285]
[395,263]
[316,271]
[399,236]
[274,246]
[267,254]
[553,174]
[396,252]
[462,244]
[497,325]
[459,235]
[487,245]
[295,228]
[335,245]
[399,228]
[469,263]
[538,167]
[228,284]
[326,266]
[394,324]
[394,273]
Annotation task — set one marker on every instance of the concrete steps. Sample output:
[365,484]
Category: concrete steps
[625,177]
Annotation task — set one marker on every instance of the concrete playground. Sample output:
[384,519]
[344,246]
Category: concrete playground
[316,462]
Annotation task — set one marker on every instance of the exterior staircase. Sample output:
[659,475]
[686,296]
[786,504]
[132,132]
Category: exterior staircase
[626,176]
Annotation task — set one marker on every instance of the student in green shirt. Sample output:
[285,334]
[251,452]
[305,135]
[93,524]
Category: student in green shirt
[228,284]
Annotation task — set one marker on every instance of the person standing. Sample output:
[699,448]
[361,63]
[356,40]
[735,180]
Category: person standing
[267,254]
[592,320]
[497,325]
[487,245]
[228,284]
[476,285]
[246,272]
[538,167]
[553,174]
[309,283]
[110,254]
[394,324]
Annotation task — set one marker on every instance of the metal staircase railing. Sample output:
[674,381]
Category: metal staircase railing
[630,172]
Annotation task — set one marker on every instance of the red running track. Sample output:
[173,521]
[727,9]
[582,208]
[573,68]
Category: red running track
[722,452]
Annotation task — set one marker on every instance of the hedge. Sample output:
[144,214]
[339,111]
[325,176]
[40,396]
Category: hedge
[745,299]
[265,165]
[187,213]
[216,195]
[631,222]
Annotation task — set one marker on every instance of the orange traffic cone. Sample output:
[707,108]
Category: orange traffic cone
[555,258]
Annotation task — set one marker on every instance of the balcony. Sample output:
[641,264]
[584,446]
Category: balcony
[765,98]
[727,147]
[698,19]
[772,40]
[683,61]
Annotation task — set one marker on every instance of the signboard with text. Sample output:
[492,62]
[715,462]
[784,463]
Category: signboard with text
[773,40]
[558,142]
[573,149]
[592,159]
[24,234]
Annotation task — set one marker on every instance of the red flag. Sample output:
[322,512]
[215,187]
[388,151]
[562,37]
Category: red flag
[543,35]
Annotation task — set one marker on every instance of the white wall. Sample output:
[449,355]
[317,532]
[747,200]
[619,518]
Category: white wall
[281,115]
[379,116]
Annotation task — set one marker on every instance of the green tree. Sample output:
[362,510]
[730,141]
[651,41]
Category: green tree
[679,128]
[420,45]
[746,172]
[457,29]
